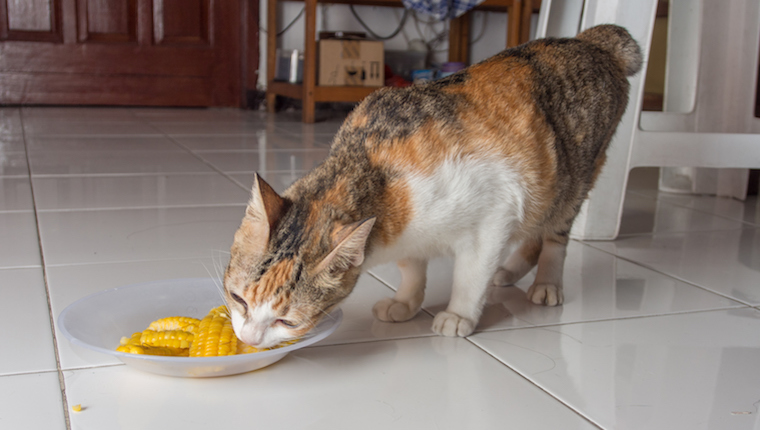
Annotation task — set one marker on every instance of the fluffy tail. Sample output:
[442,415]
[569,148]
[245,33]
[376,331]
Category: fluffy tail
[617,40]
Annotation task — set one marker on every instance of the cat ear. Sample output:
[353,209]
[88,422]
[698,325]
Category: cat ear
[261,216]
[265,204]
[348,249]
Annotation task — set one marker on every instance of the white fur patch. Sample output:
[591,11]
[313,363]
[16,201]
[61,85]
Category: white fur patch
[465,199]
[259,328]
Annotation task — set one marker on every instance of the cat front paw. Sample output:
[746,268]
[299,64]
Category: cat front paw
[390,310]
[546,294]
[451,325]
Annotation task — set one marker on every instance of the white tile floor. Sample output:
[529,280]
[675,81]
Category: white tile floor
[660,329]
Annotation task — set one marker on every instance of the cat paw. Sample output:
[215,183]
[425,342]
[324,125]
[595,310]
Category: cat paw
[503,278]
[390,310]
[545,294]
[450,324]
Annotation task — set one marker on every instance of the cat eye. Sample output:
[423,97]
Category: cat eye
[286,323]
[240,300]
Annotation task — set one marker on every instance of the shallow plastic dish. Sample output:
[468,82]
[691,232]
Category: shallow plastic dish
[98,321]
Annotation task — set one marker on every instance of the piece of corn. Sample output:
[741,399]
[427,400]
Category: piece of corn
[175,323]
[154,350]
[133,340]
[244,348]
[76,408]
[184,336]
[215,336]
[169,338]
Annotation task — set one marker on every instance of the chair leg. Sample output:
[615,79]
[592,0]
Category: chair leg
[599,218]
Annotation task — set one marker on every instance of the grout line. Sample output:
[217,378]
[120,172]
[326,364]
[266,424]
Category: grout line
[93,263]
[119,175]
[61,379]
[658,199]
[533,383]
[622,318]
[675,232]
[30,372]
[204,161]
[34,266]
[124,208]
[672,276]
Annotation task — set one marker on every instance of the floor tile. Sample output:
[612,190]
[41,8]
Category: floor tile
[278,180]
[120,144]
[643,215]
[234,127]
[13,164]
[31,401]
[324,128]
[252,161]
[403,384]
[28,337]
[77,237]
[359,325]
[15,194]
[747,211]
[597,286]
[72,113]
[188,114]
[10,122]
[88,128]
[115,163]
[727,262]
[11,143]
[71,283]
[262,141]
[692,371]
[19,246]
[88,192]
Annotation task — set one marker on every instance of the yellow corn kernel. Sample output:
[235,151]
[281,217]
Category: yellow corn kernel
[154,350]
[215,336]
[133,340]
[244,348]
[170,338]
[175,323]
[76,408]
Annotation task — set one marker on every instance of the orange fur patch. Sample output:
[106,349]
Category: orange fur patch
[276,276]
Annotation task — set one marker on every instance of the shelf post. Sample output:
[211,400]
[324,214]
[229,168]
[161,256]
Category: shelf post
[271,52]
[310,60]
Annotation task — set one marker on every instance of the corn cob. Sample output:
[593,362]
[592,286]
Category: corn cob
[169,338]
[175,323]
[133,340]
[183,336]
[153,350]
[215,335]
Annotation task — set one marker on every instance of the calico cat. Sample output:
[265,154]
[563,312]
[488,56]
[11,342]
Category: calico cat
[502,152]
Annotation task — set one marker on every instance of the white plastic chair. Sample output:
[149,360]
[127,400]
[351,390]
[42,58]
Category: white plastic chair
[711,80]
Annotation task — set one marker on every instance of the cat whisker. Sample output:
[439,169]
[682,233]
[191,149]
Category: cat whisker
[219,286]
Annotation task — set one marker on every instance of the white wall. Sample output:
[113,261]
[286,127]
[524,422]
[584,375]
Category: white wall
[383,21]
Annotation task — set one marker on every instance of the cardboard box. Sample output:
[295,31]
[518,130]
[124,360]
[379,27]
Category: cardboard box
[351,63]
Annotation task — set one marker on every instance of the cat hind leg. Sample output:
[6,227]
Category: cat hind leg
[518,264]
[547,288]
[408,299]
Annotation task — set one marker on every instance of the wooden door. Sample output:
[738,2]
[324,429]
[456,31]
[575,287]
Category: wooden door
[121,52]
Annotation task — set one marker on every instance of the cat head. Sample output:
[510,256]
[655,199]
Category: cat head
[284,275]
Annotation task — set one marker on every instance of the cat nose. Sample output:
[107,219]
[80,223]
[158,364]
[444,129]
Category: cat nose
[252,336]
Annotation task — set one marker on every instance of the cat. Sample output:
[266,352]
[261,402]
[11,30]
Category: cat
[503,152]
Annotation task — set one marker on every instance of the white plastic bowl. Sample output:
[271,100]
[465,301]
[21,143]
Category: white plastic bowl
[98,321]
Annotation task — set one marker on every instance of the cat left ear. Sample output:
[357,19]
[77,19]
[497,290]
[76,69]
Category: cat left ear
[349,251]
[265,203]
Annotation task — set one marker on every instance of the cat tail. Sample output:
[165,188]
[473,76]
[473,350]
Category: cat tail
[617,40]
